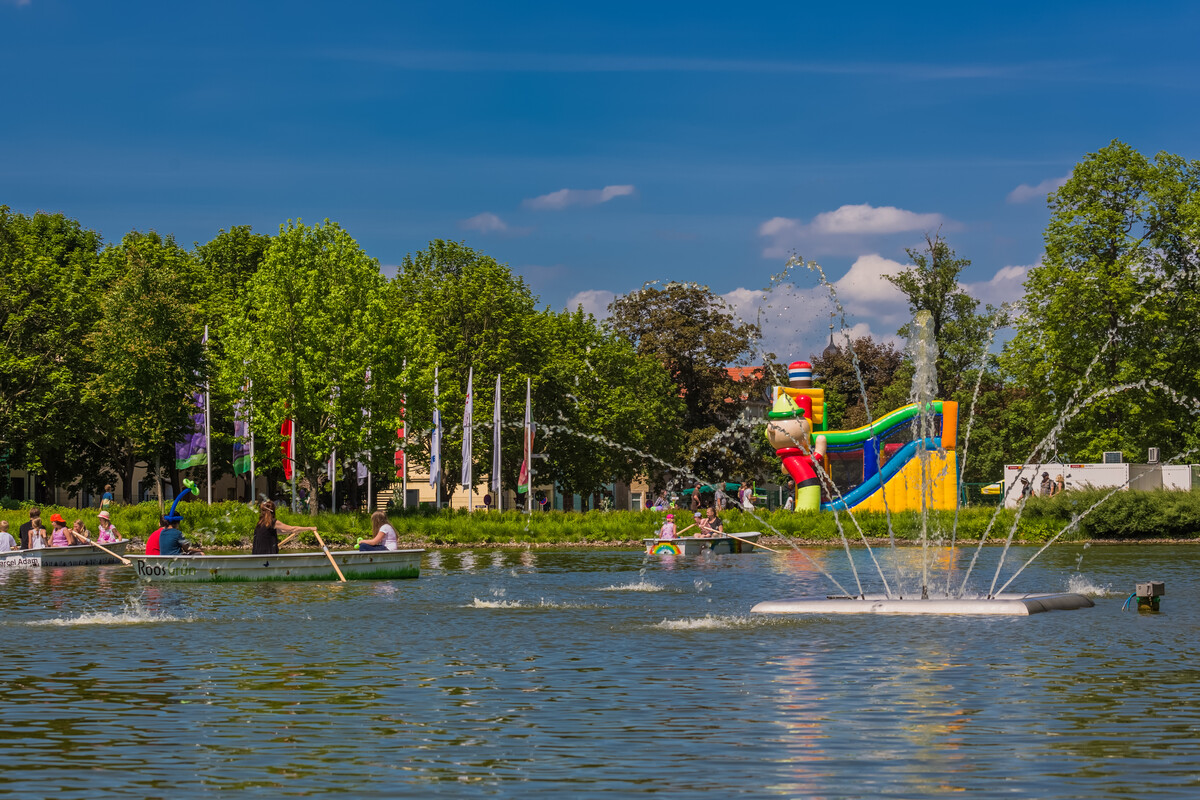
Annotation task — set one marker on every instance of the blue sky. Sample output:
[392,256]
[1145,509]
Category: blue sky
[593,147]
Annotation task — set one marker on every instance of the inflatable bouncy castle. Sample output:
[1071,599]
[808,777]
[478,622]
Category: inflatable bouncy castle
[895,460]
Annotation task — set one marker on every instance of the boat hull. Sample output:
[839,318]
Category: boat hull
[695,545]
[355,565]
[79,555]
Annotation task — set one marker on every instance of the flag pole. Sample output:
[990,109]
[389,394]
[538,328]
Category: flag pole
[207,423]
[404,444]
[295,452]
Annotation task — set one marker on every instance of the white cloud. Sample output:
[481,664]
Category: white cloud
[844,230]
[594,302]
[556,201]
[487,222]
[1024,193]
[795,320]
[868,219]
[1006,286]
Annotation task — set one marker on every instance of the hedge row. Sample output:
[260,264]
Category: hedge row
[1124,516]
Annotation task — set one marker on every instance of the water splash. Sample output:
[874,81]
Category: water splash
[639,586]
[132,613]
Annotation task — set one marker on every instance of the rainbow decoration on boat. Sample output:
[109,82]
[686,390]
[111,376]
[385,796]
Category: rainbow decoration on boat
[664,549]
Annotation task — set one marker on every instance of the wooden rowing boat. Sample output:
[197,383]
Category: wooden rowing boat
[77,555]
[695,545]
[356,564]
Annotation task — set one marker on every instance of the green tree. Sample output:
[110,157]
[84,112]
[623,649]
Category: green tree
[1113,302]
[932,284]
[315,319]
[610,404]
[48,305]
[881,365]
[145,351]
[227,262]
[688,330]
[462,309]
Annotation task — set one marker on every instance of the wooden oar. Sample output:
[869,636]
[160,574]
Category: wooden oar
[685,530]
[120,558]
[749,542]
[329,555]
[293,535]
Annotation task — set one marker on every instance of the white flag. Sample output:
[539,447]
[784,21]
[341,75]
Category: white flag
[435,446]
[468,413]
[496,446]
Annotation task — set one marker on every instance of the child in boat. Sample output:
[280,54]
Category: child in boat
[108,532]
[667,531]
[60,534]
[37,534]
[79,534]
[384,537]
[7,542]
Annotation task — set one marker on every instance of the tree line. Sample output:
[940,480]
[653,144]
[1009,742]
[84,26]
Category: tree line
[103,350]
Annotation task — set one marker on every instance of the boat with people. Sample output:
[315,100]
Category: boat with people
[76,555]
[318,566]
[695,545]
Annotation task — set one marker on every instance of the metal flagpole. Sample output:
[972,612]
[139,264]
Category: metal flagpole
[435,447]
[333,480]
[404,445]
[497,498]
[468,419]
[295,453]
[207,424]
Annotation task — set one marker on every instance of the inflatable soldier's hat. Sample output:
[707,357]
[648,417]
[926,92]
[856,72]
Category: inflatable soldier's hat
[188,486]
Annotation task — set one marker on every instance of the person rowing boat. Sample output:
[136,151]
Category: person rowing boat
[266,532]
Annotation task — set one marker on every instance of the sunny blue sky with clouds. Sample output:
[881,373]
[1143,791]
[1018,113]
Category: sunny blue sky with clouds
[593,147]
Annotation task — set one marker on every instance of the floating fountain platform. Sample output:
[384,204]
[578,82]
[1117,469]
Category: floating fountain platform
[1012,605]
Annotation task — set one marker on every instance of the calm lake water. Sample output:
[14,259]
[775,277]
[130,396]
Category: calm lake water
[569,673]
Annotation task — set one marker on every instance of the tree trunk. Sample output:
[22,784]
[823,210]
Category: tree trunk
[158,484]
[568,500]
[128,465]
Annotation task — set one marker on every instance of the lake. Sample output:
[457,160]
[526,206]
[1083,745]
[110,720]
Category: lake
[516,672]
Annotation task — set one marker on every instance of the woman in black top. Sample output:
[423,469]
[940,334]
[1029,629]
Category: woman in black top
[266,532]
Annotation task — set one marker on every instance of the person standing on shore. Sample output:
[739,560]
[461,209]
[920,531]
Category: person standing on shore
[266,532]
[1046,488]
[106,499]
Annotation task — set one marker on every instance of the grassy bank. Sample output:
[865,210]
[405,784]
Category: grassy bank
[1127,516]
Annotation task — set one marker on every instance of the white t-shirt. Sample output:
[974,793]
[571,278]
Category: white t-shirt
[7,542]
[390,540]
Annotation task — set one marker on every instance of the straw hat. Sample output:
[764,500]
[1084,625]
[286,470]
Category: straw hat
[104,515]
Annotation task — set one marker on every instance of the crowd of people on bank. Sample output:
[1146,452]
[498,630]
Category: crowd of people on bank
[1046,488]
[34,535]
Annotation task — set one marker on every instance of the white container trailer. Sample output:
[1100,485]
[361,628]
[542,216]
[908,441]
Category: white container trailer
[1146,477]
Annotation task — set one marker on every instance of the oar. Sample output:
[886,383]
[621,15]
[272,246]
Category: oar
[329,555]
[685,530]
[293,535]
[118,557]
[748,541]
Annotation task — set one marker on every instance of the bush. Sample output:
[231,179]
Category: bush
[1124,516]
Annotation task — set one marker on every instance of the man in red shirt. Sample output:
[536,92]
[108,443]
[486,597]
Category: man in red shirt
[152,542]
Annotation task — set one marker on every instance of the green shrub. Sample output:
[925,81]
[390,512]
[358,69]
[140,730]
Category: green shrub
[1123,516]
